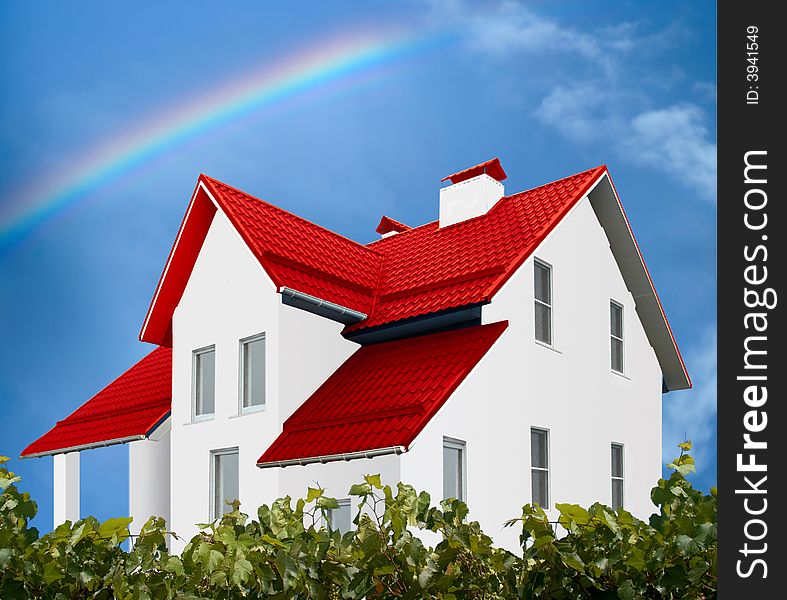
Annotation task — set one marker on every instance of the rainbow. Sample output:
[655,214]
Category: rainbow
[333,63]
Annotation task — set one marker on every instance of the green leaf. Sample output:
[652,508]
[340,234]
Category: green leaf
[116,528]
[626,590]
[360,489]
[214,560]
[686,544]
[374,481]
[313,494]
[572,560]
[327,503]
[241,571]
[174,565]
[698,571]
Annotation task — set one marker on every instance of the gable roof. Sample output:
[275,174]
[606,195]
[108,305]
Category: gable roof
[420,271]
[294,252]
[381,398]
[130,408]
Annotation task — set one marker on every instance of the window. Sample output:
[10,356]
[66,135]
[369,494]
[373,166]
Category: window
[616,334]
[617,476]
[252,372]
[340,519]
[539,466]
[543,298]
[224,481]
[204,381]
[453,469]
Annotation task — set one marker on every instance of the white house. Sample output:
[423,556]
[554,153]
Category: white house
[515,350]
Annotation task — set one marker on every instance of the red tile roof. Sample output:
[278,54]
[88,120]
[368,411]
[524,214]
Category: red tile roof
[128,408]
[431,268]
[382,396]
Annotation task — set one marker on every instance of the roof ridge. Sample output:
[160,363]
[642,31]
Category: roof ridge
[509,196]
[214,181]
[538,187]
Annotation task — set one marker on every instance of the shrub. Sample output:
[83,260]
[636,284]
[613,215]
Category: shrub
[286,552]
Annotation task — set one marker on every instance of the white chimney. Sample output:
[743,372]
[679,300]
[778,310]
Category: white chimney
[472,192]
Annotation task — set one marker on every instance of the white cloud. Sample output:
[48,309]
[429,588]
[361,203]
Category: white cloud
[676,140]
[600,100]
[691,414]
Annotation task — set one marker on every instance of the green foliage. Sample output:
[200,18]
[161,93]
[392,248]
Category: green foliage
[286,552]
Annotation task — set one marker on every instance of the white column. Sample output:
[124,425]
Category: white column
[149,481]
[66,487]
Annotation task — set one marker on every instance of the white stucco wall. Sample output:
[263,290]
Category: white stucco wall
[569,390]
[66,488]
[149,479]
[229,298]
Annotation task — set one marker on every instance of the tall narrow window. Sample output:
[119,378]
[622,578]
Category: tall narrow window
[204,382]
[340,519]
[252,366]
[617,475]
[453,469]
[543,299]
[616,335]
[225,481]
[539,466]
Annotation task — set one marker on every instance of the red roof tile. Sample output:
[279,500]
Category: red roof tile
[129,407]
[383,395]
[493,168]
[387,225]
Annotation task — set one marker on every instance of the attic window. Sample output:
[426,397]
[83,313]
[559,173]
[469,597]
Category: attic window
[616,336]
[543,302]
[204,382]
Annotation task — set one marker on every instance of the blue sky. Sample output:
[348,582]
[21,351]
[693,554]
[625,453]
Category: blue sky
[550,87]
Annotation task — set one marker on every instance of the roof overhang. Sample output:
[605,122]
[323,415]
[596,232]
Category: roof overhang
[333,457]
[609,211]
[155,433]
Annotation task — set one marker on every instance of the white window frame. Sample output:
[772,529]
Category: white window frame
[214,454]
[241,374]
[537,262]
[622,477]
[343,503]
[194,379]
[621,339]
[461,445]
[543,469]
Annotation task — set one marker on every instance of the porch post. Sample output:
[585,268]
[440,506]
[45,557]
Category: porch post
[66,488]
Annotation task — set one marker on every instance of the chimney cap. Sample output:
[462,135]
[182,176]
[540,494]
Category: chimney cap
[493,168]
[388,225]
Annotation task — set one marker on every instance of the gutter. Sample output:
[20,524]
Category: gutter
[333,311]
[124,440]
[333,457]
